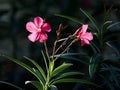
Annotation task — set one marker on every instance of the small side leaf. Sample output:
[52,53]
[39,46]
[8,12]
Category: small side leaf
[61,68]
[53,87]
[105,25]
[37,84]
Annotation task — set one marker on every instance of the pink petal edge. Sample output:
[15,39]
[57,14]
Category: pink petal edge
[43,37]
[46,27]
[33,37]
[84,28]
[38,21]
[30,26]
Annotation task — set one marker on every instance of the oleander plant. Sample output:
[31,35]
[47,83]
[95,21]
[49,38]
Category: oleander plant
[102,71]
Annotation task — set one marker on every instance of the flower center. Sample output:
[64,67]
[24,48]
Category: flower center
[39,29]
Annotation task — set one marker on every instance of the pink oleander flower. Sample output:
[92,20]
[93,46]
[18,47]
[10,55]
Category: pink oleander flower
[38,30]
[84,36]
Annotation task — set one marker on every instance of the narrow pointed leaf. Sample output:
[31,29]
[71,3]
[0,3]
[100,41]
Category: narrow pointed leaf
[71,18]
[37,84]
[114,27]
[23,65]
[53,87]
[38,67]
[40,75]
[73,80]
[75,59]
[91,19]
[106,25]
[112,46]
[93,65]
[61,68]
[67,74]
[10,84]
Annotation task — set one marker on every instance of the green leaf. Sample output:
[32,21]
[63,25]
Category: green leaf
[73,80]
[10,84]
[60,68]
[71,56]
[94,47]
[67,74]
[23,65]
[71,18]
[38,67]
[112,46]
[114,27]
[75,59]
[105,25]
[93,65]
[53,87]
[91,19]
[40,75]
[37,84]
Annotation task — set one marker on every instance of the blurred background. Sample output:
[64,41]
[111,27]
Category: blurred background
[13,35]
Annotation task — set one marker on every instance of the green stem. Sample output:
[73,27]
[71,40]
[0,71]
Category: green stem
[46,49]
[49,72]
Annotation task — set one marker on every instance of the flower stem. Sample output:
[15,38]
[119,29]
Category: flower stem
[66,48]
[63,43]
[46,49]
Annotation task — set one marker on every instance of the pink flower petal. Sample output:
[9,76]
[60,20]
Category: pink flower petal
[46,27]
[38,22]
[84,28]
[43,37]
[87,36]
[33,37]
[84,41]
[30,26]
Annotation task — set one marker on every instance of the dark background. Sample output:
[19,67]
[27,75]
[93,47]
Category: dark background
[14,14]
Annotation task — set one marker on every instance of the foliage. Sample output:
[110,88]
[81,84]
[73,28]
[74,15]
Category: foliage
[100,65]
